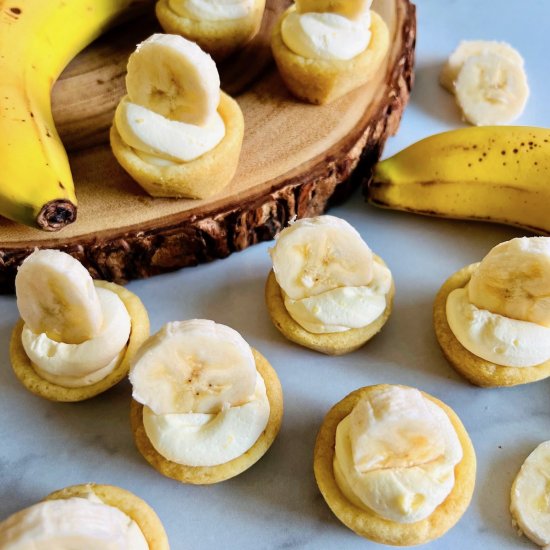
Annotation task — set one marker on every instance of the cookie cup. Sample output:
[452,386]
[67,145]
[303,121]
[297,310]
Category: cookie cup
[368,524]
[196,179]
[475,369]
[219,38]
[133,506]
[204,475]
[332,343]
[24,371]
[321,81]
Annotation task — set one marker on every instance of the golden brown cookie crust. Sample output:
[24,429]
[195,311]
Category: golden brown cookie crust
[196,179]
[202,475]
[219,38]
[133,506]
[370,525]
[334,343]
[321,81]
[477,370]
[22,366]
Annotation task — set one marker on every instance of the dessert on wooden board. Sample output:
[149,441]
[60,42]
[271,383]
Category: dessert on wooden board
[327,290]
[325,49]
[206,406]
[492,319]
[395,465]
[76,337]
[175,132]
[122,234]
[218,28]
[87,517]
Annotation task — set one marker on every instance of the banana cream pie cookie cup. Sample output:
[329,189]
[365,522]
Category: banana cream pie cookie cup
[76,336]
[175,132]
[395,465]
[87,517]
[327,290]
[326,48]
[529,497]
[219,28]
[492,319]
[206,406]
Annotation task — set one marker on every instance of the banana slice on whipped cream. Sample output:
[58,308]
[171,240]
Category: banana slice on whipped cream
[204,401]
[87,517]
[175,132]
[394,464]
[530,496]
[503,314]
[74,334]
[329,278]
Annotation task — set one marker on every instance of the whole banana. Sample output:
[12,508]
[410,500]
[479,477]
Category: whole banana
[37,39]
[490,173]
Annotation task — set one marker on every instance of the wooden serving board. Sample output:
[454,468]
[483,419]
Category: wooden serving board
[295,158]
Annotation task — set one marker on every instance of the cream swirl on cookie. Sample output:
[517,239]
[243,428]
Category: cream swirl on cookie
[86,523]
[212,10]
[328,276]
[204,401]
[395,455]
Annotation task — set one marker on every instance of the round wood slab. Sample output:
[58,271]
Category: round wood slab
[296,158]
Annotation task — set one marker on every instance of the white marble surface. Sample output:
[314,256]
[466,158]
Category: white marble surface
[276,504]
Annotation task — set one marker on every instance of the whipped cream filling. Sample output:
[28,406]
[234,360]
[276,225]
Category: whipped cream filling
[77,365]
[209,439]
[66,524]
[212,10]
[326,35]
[398,465]
[343,308]
[154,136]
[493,337]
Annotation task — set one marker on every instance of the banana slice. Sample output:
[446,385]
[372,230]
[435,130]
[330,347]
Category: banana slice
[174,78]
[352,9]
[530,496]
[56,296]
[318,254]
[490,89]
[513,280]
[471,48]
[193,366]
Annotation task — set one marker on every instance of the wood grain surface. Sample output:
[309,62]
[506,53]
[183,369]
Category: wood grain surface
[296,158]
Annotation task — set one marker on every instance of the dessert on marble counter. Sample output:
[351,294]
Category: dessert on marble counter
[76,336]
[325,49]
[395,465]
[530,495]
[492,319]
[206,406]
[327,290]
[175,132]
[86,517]
[218,27]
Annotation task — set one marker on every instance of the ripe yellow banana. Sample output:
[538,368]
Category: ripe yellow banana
[490,173]
[37,39]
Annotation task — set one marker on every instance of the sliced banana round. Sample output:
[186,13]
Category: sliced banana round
[513,280]
[56,296]
[530,496]
[193,366]
[491,89]
[212,10]
[173,77]
[470,48]
[352,9]
[314,255]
